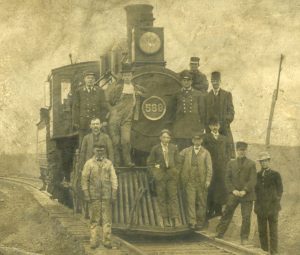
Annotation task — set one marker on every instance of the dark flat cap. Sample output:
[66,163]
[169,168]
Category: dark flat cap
[213,121]
[195,60]
[99,146]
[88,72]
[216,75]
[186,74]
[198,136]
[241,145]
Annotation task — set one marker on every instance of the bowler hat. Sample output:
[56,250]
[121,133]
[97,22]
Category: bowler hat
[215,75]
[185,74]
[241,145]
[165,131]
[263,156]
[194,60]
[126,68]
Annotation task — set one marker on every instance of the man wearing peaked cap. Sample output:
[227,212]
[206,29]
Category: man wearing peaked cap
[268,191]
[240,182]
[219,104]
[196,174]
[88,102]
[189,112]
[199,80]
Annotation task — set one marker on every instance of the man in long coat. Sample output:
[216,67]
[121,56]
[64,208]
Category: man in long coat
[164,161]
[196,173]
[240,183]
[189,112]
[219,150]
[219,104]
[88,102]
[268,190]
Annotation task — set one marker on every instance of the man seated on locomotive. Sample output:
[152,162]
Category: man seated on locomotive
[99,184]
[88,102]
[164,161]
[196,174]
[189,112]
[123,99]
[199,79]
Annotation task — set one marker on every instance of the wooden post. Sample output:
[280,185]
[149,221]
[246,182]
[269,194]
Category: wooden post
[274,99]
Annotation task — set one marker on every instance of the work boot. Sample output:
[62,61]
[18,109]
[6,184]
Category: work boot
[107,245]
[94,240]
[175,222]
[43,188]
[166,222]
[126,155]
[244,242]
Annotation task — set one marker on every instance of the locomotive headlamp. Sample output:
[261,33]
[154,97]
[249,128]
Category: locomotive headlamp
[150,43]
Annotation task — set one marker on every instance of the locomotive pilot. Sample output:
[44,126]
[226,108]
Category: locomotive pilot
[163,161]
[189,112]
[99,184]
[199,80]
[219,104]
[196,174]
[123,98]
[89,102]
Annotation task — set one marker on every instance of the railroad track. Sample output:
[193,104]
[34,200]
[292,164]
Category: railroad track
[74,224]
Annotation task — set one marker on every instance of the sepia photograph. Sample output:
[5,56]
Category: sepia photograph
[149,127]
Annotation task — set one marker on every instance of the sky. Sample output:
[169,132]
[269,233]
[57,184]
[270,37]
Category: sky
[242,39]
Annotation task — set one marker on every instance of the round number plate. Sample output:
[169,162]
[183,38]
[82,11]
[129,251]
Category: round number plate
[150,43]
[154,108]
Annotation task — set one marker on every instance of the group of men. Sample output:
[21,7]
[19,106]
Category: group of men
[199,163]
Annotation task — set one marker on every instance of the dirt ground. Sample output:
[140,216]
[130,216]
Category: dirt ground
[24,225]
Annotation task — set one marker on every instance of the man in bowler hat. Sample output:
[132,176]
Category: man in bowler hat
[268,190]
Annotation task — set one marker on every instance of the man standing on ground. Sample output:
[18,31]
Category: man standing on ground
[240,182]
[219,105]
[268,190]
[199,79]
[164,161]
[196,173]
[99,184]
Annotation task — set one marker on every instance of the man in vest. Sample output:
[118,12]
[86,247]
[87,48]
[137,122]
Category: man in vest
[99,184]
[196,173]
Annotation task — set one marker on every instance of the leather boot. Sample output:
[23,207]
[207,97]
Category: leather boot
[94,240]
[127,156]
[166,222]
[175,222]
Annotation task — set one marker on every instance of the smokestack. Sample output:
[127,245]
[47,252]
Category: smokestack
[138,15]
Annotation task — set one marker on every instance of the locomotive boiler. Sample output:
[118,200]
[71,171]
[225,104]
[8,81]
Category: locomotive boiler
[136,209]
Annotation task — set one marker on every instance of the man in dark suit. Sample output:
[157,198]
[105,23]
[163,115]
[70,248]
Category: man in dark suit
[199,79]
[240,183]
[164,160]
[219,150]
[189,112]
[219,104]
[89,102]
[267,206]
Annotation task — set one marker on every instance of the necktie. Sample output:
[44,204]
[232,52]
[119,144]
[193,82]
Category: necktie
[166,156]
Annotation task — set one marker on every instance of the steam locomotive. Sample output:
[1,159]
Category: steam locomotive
[136,209]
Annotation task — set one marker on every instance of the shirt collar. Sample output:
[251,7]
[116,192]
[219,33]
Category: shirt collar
[216,92]
[164,147]
[197,148]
